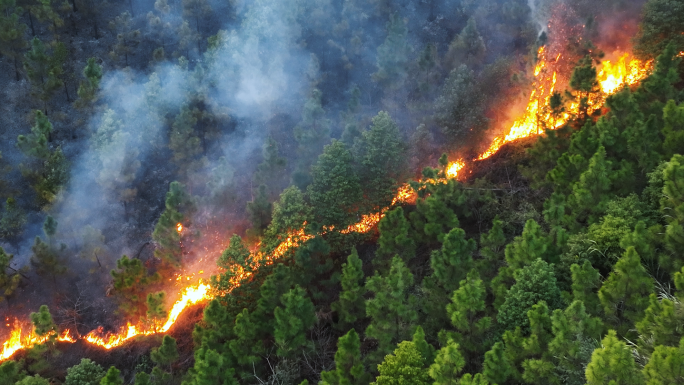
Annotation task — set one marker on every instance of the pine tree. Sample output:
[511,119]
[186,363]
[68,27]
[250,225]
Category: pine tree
[112,377]
[394,239]
[36,143]
[405,366]
[260,210]
[448,364]
[392,309]
[11,372]
[585,282]
[583,81]
[380,153]
[496,367]
[432,220]
[180,206]
[528,247]
[466,313]
[88,87]
[8,281]
[43,325]
[660,325]
[589,194]
[613,363]
[290,214]
[185,143]
[130,284]
[672,203]
[156,311]
[12,30]
[659,27]
[35,380]
[666,365]
[624,294]
[166,353]
[235,260]
[126,37]
[212,368]
[335,192]
[349,369]
[41,71]
[86,372]
[312,133]
[48,259]
[451,264]
[492,247]
[292,322]
[533,283]
[468,47]
[271,170]
[246,346]
[351,306]
[392,57]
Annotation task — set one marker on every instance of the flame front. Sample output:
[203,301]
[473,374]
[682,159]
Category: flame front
[611,77]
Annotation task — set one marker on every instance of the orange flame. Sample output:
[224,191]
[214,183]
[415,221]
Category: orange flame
[179,227]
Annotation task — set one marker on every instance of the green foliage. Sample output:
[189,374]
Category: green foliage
[12,220]
[42,71]
[589,196]
[585,282]
[335,193]
[584,82]
[448,364]
[166,353]
[672,205]
[293,321]
[246,346]
[349,369]
[290,213]
[43,325]
[88,87]
[131,280]
[36,143]
[392,57]
[613,363]
[380,154]
[406,366]
[496,368]
[392,309]
[234,259]
[666,365]
[528,247]
[35,380]
[433,219]
[48,260]
[126,37]
[259,210]
[11,372]
[312,133]
[466,312]
[394,239]
[624,294]
[351,306]
[661,25]
[9,282]
[86,372]
[533,283]
[12,31]
[451,263]
[156,309]
[180,206]
[112,377]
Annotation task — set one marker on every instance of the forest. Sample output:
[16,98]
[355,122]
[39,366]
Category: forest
[341,192]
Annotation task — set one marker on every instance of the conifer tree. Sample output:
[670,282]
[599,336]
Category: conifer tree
[126,37]
[380,153]
[351,306]
[666,365]
[12,220]
[271,291]
[613,363]
[86,372]
[673,131]
[112,377]
[672,203]
[9,281]
[349,369]
[259,210]
[528,247]
[42,72]
[432,220]
[392,309]
[11,372]
[130,284]
[589,196]
[293,321]
[164,356]
[496,367]
[585,283]
[235,260]
[48,259]
[492,247]
[335,192]
[156,311]
[180,206]
[392,57]
[271,170]
[90,85]
[405,366]
[290,214]
[212,368]
[246,346]
[660,325]
[624,294]
[448,364]
[466,313]
[35,380]
[312,133]
[43,325]
[533,283]
[394,239]
[583,81]
[468,47]
[451,264]
[35,144]
[12,30]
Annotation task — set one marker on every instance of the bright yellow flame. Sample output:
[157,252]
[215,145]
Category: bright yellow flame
[179,227]
[453,168]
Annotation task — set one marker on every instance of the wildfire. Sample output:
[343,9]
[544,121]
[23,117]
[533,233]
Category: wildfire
[611,77]
[17,341]
[179,227]
[454,167]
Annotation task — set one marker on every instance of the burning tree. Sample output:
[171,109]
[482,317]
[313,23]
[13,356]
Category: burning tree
[169,231]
